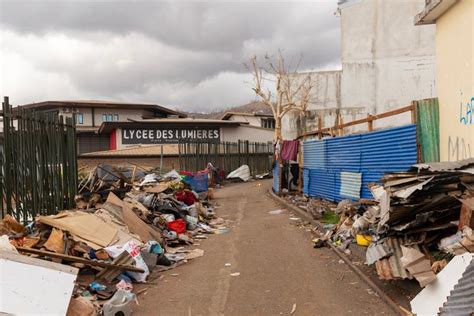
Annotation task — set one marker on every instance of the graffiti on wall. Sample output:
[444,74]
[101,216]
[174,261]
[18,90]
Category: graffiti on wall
[466,112]
[458,148]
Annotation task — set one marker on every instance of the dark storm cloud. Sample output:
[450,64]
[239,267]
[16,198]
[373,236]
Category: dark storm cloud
[132,48]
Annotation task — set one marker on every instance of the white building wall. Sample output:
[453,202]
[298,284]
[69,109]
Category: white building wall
[387,61]
[325,102]
[243,132]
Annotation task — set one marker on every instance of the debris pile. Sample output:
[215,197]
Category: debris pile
[416,223]
[126,227]
[423,219]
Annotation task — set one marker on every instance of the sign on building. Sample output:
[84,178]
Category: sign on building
[168,135]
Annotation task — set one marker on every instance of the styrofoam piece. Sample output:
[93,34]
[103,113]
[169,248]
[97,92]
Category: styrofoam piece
[434,295]
[30,286]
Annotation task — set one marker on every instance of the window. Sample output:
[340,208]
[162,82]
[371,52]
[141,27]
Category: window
[268,123]
[79,118]
[110,117]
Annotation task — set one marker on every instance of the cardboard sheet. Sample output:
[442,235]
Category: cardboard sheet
[85,226]
[135,224]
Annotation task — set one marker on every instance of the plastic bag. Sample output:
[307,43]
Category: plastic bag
[134,250]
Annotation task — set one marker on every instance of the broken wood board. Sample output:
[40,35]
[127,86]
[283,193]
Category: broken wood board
[79,259]
[135,224]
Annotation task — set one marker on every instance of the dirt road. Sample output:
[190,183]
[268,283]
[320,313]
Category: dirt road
[277,264]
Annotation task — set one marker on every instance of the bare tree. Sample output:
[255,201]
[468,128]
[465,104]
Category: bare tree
[292,89]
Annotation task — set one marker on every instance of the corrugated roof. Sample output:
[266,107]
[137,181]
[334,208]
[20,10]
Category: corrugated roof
[227,115]
[100,104]
[446,165]
[460,302]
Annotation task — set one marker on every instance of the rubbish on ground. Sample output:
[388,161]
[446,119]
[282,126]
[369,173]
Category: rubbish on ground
[119,304]
[227,264]
[416,222]
[276,212]
[418,265]
[126,224]
[363,240]
[293,309]
[235,274]
[243,173]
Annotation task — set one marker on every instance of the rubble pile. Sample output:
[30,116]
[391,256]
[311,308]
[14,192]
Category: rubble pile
[423,219]
[416,223]
[127,227]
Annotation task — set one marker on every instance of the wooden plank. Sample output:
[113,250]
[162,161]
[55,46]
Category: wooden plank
[78,259]
[360,121]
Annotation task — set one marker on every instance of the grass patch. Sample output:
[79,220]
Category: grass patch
[329,217]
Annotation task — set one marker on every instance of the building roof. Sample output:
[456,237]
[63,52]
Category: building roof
[47,105]
[227,115]
[135,152]
[108,126]
[433,10]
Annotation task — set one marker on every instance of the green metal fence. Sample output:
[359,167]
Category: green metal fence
[428,129]
[38,163]
[228,156]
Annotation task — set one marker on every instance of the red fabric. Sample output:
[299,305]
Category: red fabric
[179,226]
[113,139]
[289,150]
[186,196]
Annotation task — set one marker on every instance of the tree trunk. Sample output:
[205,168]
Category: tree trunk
[278,128]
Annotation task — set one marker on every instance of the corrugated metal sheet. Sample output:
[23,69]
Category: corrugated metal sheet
[369,177]
[428,129]
[314,154]
[371,154]
[392,149]
[350,184]
[276,178]
[322,184]
[460,302]
[305,181]
[343,153]
[391,267]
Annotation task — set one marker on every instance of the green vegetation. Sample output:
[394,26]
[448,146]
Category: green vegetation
[330,217]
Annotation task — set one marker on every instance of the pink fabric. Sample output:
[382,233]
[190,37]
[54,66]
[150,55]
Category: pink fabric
[289,150]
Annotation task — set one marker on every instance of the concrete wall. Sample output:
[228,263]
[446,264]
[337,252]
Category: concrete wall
[124,114]
[325,102]
[250,133]
[455,59]
[387,61]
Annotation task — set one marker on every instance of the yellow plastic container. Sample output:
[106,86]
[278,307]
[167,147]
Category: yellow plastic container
[363,240]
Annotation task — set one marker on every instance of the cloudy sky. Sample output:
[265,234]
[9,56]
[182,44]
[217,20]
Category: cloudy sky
[188,55]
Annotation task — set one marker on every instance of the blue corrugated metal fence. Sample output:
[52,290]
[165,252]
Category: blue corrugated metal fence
[364,156]
[276,178]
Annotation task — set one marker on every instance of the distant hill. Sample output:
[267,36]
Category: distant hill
[252,107]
